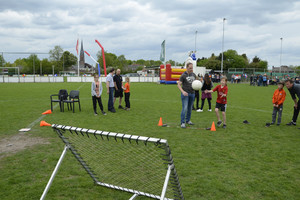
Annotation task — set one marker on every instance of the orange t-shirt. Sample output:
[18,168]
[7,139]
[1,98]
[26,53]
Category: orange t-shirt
[127,87]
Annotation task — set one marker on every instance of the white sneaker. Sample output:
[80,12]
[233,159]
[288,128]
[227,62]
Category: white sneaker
[190,123]
[209,110]
[182,125]
[199,110]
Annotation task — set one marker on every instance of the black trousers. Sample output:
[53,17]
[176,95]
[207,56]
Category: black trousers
[209,104]
[197,99]
[127,102]
[95,99]
[296,112]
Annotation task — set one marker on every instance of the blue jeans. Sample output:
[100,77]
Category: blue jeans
[187,103]
[111,98]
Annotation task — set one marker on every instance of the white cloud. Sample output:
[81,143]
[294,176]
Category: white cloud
[136,28]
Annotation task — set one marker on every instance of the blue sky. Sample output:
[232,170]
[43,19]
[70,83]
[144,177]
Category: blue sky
[136,28]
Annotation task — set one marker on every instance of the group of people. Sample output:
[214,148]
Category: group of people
[279,98]
[188,96]
[115,89]
[259,80]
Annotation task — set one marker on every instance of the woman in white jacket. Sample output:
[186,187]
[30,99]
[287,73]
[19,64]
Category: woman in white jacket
[96,94]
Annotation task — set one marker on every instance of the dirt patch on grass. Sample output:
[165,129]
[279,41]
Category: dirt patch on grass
[19,142]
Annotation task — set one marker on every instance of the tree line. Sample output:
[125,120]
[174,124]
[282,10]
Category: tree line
[65,60]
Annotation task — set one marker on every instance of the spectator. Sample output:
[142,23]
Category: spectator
[110,90]
[118,83]
[294,90]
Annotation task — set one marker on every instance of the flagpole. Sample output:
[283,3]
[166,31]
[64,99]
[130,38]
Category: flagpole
[78,63]
[78,56]
[165,55]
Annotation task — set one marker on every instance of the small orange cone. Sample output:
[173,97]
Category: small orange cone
[43,123]
[47,112]
[160,122]
[213,127]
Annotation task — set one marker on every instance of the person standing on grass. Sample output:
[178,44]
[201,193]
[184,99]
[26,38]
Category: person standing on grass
[187,94]
[207,85]
[127,93]
[278,99]
[294,90]
[197,96]
[118,82]
[221,103]
[110,90]
[96,94]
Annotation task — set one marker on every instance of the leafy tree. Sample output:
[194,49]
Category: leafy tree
[122,62]
[172,62]
[68,59]
[2,61]
[56,53]
[256,59]
[110,59]
[47,67]
[55,57]
[141,62]
[263,64]
[258,63]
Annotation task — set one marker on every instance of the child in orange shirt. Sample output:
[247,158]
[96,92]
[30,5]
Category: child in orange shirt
[127,93]
[278,99]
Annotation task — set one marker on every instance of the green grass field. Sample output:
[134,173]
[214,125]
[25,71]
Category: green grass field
[241,162]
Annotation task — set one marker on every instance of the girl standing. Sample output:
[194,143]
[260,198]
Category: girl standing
[207,85]
[96,90]
[127,93]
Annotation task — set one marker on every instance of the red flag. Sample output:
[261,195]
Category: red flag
[77,46]
[87,53]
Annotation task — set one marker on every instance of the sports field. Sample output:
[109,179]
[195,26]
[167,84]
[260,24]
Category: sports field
[244,161]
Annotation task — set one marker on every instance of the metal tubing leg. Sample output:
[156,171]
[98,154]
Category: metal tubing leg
[54,172]
[163,193]
[134,196]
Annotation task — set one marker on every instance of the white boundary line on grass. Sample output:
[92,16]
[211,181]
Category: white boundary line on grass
[41,117]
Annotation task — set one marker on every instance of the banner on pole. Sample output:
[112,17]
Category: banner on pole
[163,51]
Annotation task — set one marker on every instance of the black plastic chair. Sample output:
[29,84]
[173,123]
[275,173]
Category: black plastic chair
[58,98]
[73,98]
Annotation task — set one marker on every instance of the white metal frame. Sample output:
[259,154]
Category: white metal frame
[136,193]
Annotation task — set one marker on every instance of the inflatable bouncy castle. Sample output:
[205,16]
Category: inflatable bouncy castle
[170,75]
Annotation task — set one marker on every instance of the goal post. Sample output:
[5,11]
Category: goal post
[7,71]
[139,165]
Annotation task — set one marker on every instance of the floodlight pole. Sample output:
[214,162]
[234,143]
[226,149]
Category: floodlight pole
[2,60]
[33,69]
[54,172]
[196,41]
[222,46]
[280,55]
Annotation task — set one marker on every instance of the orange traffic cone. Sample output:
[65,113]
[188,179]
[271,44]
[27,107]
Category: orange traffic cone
[47,112]
[213,127]
[43,123]
[160,122]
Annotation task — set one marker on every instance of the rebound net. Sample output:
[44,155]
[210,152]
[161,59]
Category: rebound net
[129,163]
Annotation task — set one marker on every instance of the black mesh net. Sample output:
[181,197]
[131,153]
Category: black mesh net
[130,163]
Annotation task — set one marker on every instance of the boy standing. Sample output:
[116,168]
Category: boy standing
[221,103]
[278,99]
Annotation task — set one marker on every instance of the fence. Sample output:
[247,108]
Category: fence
[31,79]
[60,79]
